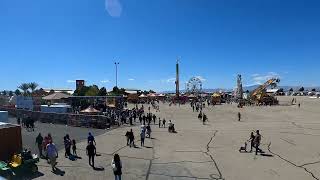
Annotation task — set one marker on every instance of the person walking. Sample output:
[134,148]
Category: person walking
[131,139]
[159,123]
[257,141]
[39,142]
[116,165]
[239,116]
[52,153]
[91,152]
[252,137]
[67,144]
[74,147]
[128,137]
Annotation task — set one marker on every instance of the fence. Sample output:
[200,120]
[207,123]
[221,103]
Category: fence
[77,120]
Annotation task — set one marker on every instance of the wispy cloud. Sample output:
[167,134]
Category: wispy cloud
[171,80]
[71,81]
[201,78]
[104,81]
[113,7]
[260,79]
[131,79]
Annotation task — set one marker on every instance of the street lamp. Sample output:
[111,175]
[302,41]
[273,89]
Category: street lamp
[116,64]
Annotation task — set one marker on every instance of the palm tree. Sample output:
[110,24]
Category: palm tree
[33,86]
[24,87]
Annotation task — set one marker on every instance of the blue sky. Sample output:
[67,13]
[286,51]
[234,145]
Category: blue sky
[55,42]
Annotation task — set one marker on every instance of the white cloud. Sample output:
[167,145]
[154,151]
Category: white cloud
[104,81]
[71,81]
[201,78]
[113,7]
[131,79]
[260,79]
[171,80]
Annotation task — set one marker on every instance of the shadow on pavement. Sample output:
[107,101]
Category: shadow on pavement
[98,168]
[59,172]
[27,176]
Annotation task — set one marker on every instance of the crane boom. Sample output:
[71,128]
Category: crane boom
[264,86]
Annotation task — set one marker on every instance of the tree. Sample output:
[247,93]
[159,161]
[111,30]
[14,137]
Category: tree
[24,87]
[10,93]
[92,91]
[281,90]
[313,90]
[17,92]
[40,93]
[291,90]
[301,89]
[102,91]
[33,86]
[4,93]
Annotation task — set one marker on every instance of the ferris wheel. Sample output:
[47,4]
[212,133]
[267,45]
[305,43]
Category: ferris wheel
[194,85]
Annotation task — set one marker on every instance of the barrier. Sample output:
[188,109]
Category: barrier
[77,120]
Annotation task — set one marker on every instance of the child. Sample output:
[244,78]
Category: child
[74,148]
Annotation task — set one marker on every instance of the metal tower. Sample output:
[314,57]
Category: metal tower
[239,92]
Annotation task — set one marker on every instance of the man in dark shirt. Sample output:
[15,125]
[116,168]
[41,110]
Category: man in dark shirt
[131,139]
[39,142]
[91,139]
[91,152]
[154,118]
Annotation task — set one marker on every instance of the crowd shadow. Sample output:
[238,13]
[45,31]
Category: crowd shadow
[59,172]
[26,176]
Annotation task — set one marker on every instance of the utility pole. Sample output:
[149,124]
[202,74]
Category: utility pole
[116,64]
[177,79]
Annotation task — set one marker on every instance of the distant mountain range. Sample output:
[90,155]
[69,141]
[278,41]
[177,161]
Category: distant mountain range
[251,88]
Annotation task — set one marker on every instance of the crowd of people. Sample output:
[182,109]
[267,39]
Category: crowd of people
[137,115]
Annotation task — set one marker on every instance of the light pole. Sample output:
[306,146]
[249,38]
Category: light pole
[116,64]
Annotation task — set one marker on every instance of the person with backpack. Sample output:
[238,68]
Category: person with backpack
[116,165]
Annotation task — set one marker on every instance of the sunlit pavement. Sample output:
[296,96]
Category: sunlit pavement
[211,151]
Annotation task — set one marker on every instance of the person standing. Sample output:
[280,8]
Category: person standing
[91,152]
[164,123]
[239,116]
[154,119]
[52,155]
[116,165]
[39,142]
[68,145]
[142,136]
[140,119]
[159,123]
[204,119]
[91,139]
[74,147]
